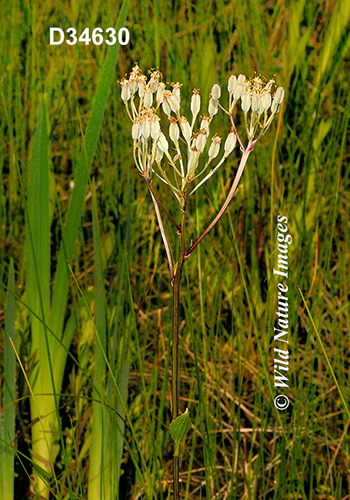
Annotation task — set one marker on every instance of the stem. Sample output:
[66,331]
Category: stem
[176,477]
[155,197]
[162,232]
[228,200]
[175,344]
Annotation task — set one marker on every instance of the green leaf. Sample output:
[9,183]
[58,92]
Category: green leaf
[8,416]
[42,473]
[98,448]
[179,428]
[82,175]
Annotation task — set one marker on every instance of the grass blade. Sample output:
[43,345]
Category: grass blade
[326,357]
[7,420]
[38,261]
[71,228]
[98,475]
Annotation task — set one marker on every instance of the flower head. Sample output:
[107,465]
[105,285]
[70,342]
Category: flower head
[183,144]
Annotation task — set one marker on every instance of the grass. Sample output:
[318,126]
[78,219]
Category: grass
[58,111]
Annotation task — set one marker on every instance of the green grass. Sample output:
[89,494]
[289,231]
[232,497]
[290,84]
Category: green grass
[102,338]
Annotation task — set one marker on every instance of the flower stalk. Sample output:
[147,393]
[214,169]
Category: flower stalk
[175,344]
[187,170]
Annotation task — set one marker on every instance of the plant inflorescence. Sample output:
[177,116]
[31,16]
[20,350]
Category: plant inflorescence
[183,166]
[145,100]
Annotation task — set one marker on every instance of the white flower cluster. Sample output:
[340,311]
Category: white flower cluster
[144,99]
[255,95]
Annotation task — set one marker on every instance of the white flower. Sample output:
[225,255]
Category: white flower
[160,92]
[277,100]
[174,131]
[232,84]
[265,101]
[185,128]
[192,162]
[148,98]
[230,143]
[136,129]
[163,143]
[205,124]
[125,89]
[176,91]
[246,101]
[255,102]
[214,147]
[195,102]
[201,140]
[216,92]
[174,103]
[155,127]
[213,107]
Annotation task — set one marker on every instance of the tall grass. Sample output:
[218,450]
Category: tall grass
[239,445]
[7,423]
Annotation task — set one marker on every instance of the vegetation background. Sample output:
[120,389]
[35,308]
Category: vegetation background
[69,191]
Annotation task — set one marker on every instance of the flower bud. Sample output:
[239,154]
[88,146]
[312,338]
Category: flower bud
[174,131]
[148,97]
[185,128]
[201,140]
[230,143]
[278,98]
[246,102]
[232,84]
[176,91]
[125,89]
[205,124]
[279,95]
[146,128]
[174,103]
[160,92]
[192,162]
[133,86]
[166,107]
[214,147]
[265,101]
[241,79]
[213,107]
[163,143]
[195,102]
[136,130]
[256,102]
[155,127]
[240,86]
[216,92]
[154,80]
[159,155]
[142,86]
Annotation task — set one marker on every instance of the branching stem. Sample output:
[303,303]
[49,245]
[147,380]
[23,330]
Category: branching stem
[228,200]
[170,217]
[165,240]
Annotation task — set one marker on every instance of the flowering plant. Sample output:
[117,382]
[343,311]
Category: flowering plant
[191,166]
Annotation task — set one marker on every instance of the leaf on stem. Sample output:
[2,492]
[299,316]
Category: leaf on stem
[179,428]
